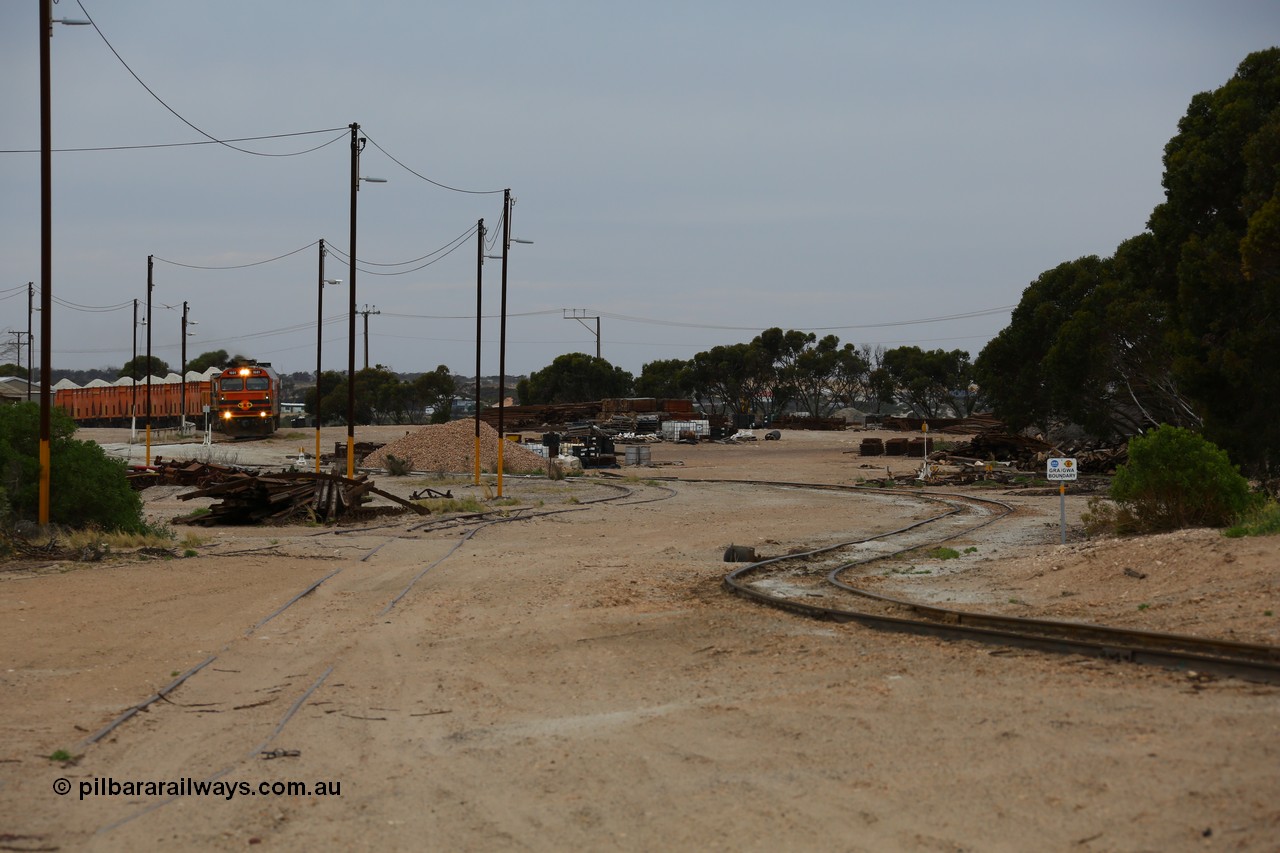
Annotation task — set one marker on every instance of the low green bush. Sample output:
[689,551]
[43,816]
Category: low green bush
[1261,521]
[86,487]
[1174,479]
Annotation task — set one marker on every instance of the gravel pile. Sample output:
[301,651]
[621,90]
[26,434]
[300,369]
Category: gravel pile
[450,448]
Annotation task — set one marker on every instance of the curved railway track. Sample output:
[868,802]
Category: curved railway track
[818,584]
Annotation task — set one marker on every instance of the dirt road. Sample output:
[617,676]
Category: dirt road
[579,680]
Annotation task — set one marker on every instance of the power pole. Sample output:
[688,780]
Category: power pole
[581,314]
[133,369]
[182,393]
[366,312]
[31,296]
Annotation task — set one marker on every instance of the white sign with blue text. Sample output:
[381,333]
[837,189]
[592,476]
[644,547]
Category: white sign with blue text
[1061,469]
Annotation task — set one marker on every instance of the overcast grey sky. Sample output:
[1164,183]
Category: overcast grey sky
[693,172]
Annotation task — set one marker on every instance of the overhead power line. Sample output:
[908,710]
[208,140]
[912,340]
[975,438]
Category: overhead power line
[342,134]
[176,114]
[417,174]
[238,266]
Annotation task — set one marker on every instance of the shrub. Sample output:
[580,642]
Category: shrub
[86,487]
[1261,521]
[1175,478]
[397,467]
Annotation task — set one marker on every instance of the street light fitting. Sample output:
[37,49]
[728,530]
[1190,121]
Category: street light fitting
[333,281]
[373,180]
[518,240]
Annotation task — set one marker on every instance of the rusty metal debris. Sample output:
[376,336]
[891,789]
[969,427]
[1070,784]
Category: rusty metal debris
[252,498]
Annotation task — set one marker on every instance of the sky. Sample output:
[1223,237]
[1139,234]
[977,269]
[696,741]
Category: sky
[690,173]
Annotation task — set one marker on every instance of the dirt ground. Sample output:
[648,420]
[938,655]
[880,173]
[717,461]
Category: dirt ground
[580,681]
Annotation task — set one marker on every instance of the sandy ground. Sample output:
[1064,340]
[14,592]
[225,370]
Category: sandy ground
[580,681]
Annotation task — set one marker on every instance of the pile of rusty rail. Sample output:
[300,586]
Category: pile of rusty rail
[180,472]
[254,498]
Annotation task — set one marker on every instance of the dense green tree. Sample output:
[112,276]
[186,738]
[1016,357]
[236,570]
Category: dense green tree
[1178,327]
[805,367]
[665,378]
[13,370]
[213,358]
[1011,367]
[850,381]
[575,378]
[85,486]
[1220,229]
[137,367]
[434,390]
[733,379]
[933,383]
[381,396]
[332,389]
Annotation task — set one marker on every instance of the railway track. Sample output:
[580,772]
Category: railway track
[313,665]
[819,583]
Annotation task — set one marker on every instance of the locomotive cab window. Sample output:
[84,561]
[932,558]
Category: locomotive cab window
[232,383]
[257,383]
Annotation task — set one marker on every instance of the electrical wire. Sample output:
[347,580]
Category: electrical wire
[176,114]
[92,309]
[963,316]
[448,249]
[239,266]
[341,135]
[424,177]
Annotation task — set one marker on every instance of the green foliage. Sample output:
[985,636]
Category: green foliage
[137,367]
[665,379]
[943,553]
[1175,478]
[213,358]
[1177,327]
[86,487]
[445,506]
[931,382]
[13,370]
[1263,520]
[575,378]
[382,396]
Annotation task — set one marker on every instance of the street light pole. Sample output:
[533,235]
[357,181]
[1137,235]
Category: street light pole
[502,331]
[182,387]
[150,285]
[320,342]
[182,416]
[46,250]
[507,240]
[479,303]
[46,253]
[133,380]
[357,145]
[31,295]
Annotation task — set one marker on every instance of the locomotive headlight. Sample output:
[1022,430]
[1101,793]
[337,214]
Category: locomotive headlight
[226,416]
[244,371]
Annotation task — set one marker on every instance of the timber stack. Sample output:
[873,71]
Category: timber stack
[254,498]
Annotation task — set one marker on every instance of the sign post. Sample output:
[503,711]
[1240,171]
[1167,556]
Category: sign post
[1062,471]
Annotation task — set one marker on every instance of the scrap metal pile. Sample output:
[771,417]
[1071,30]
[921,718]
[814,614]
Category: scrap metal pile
[992,448]
[252,498]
